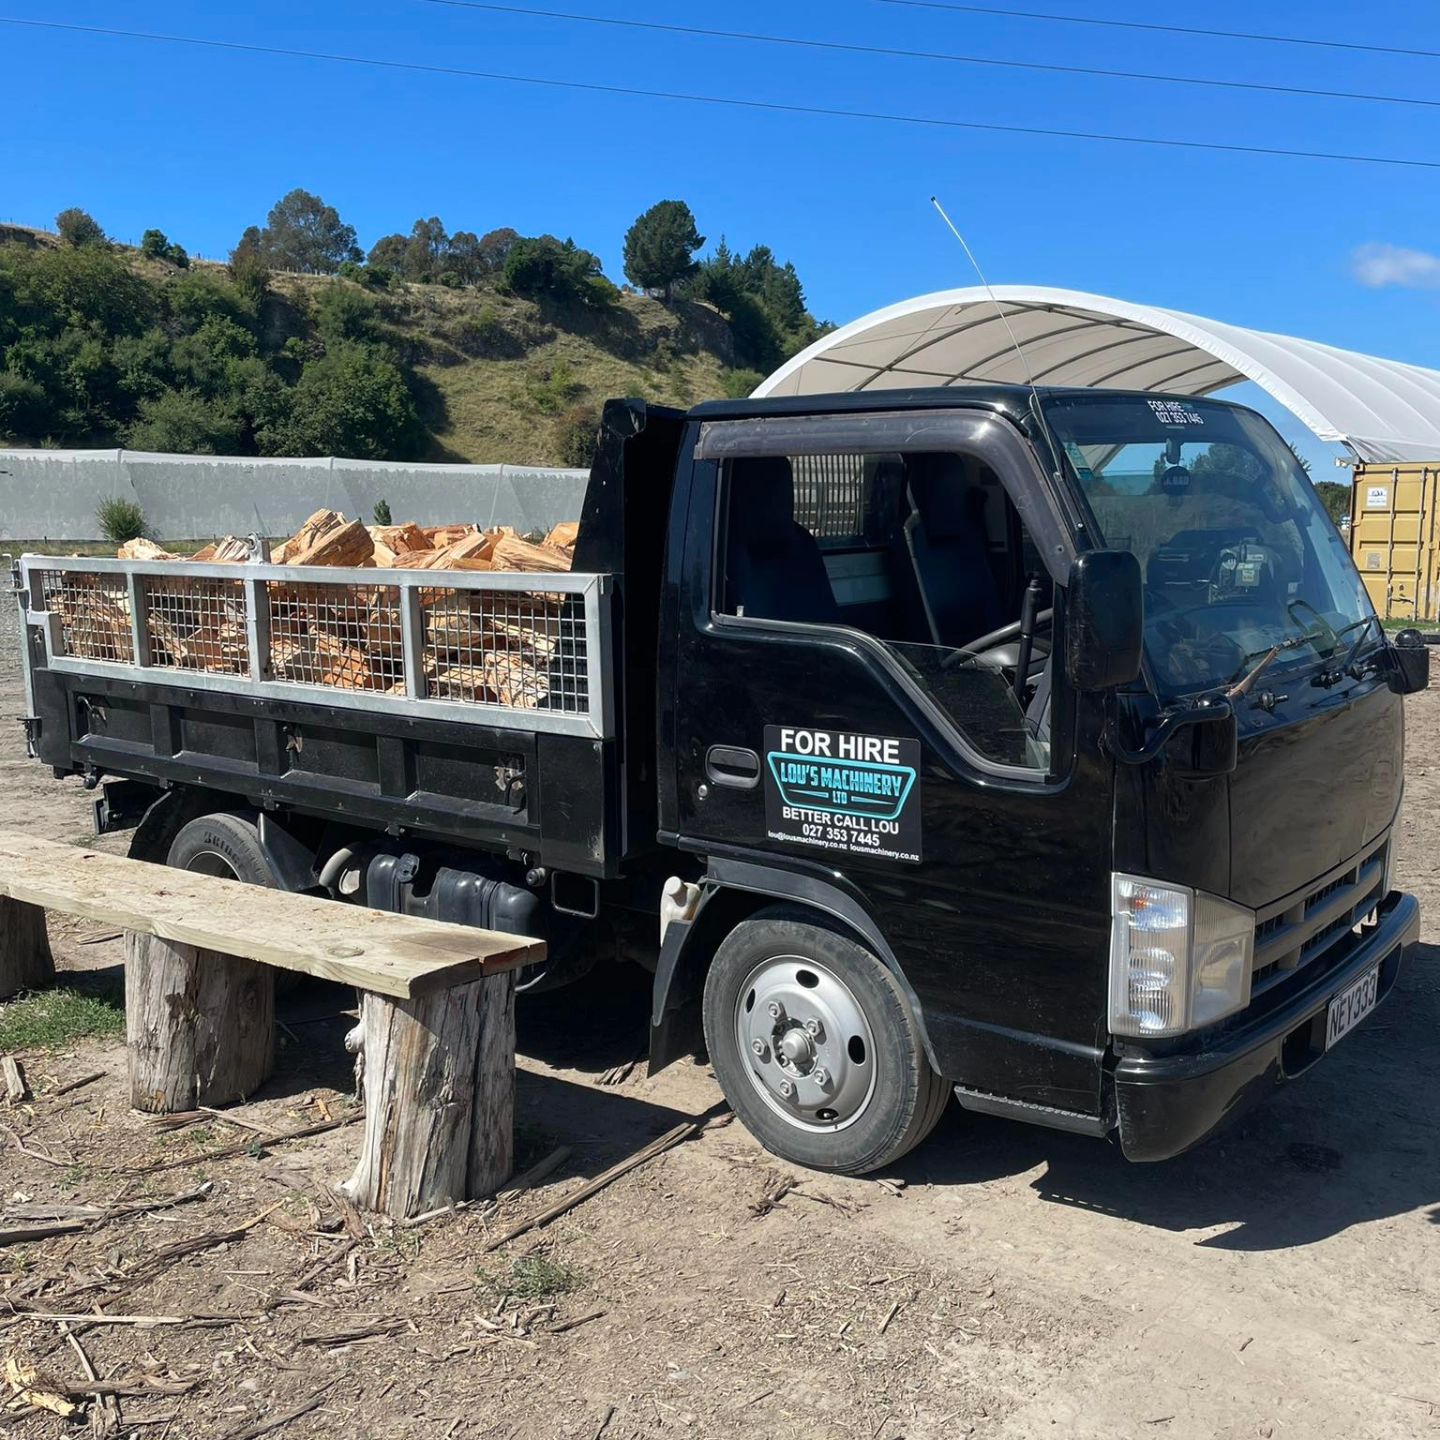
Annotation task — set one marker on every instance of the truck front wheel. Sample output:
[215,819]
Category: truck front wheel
[817,1046]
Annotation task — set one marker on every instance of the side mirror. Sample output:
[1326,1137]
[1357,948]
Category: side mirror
[1104,620]
[1411,658]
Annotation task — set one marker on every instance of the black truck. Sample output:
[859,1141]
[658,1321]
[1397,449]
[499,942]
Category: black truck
[1038,748]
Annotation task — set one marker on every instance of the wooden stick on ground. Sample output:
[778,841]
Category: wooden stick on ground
[226,1151]
[46,1221]
[540,1170]
[24,1149]
[265,1427]
[76,1084]
[667,1141]
[109,1406]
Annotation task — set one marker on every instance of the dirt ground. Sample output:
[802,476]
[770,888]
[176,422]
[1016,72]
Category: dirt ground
[1003,1281]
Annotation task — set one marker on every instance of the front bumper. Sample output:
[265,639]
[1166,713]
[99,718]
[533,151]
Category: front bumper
[1167,1103]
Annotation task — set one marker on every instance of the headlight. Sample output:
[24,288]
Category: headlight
[1179,959]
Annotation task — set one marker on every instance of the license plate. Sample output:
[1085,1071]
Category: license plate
[1351,1006]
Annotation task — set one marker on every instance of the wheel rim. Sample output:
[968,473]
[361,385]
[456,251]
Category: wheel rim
[806,1043]
[211,862]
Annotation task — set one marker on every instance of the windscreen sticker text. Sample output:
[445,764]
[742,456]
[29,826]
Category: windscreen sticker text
[1175,412]
[851,794]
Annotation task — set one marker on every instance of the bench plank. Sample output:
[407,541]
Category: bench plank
[401,956]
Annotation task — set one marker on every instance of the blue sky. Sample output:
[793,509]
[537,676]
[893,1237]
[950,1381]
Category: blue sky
[200,143]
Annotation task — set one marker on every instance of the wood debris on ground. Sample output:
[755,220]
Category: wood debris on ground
[480,647]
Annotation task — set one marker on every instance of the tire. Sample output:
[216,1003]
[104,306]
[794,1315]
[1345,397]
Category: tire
[845,1038]
[228,845]
[225,845]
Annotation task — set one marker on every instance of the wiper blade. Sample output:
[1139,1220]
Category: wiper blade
[1337,673]
[1241,688]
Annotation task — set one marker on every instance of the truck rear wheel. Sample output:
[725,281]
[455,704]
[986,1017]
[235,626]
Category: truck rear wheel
[225,845]
[817,1046]
[228,845]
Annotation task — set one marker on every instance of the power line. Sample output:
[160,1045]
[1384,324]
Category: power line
[729,101]
[1208,82]
[1168,29]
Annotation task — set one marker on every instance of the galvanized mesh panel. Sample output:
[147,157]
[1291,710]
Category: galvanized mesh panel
[196,624]
[345,636]
[519,648]
[831,496]
[94,613]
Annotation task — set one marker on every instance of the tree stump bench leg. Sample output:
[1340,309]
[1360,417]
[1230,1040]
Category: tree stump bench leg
[200,1025]
[439,1081]
[25,960]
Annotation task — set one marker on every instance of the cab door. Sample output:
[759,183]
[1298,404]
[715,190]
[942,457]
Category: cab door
[821,731]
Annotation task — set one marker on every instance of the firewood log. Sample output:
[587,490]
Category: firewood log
[513,553]
[143,549]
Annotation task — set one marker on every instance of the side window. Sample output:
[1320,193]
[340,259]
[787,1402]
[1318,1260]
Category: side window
[922,551]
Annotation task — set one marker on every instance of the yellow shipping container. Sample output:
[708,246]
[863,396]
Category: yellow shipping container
[1395,537]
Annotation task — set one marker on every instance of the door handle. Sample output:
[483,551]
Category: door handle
[733,766]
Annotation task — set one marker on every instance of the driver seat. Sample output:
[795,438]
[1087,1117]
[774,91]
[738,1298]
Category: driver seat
[945,536]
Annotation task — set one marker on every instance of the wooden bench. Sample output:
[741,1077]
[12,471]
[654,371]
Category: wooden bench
[437,1021]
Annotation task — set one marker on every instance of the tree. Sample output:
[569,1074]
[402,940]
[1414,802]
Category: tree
[249,272]
[303,233]
[762,299]
[185,422]
[466,259]
[660,247]
[545,268]
[388,253]
[78,228]
[495,247]
[156,245]
[25,413]
[354,402]
[1335,498]
[426,250]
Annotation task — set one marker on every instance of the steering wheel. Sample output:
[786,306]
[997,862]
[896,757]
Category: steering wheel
[977,648]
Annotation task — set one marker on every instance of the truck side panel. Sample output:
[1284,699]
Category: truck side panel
[548,795]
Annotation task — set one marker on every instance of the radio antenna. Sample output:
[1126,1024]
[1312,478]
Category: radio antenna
[1005,321]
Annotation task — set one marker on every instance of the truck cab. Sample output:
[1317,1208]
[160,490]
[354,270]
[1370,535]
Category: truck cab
[1043,742]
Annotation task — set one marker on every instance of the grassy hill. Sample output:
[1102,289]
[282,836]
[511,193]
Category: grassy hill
[105,346]
[503,373]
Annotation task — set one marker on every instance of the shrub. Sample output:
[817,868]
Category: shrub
[353,401]
[738,384]
[78,228]
[545,268]
[551,390]
[156,245]
[345,313]
[577,436]
[249,273]
[120,519]
[382,513]
[185,422]
[482,334]
[25,411]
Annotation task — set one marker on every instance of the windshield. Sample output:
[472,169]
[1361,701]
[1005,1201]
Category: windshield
[1237,552]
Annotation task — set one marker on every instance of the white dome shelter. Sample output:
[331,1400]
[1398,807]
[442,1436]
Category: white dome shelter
[1381,410]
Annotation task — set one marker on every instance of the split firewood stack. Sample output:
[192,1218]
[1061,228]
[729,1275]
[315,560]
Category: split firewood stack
[480,646]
